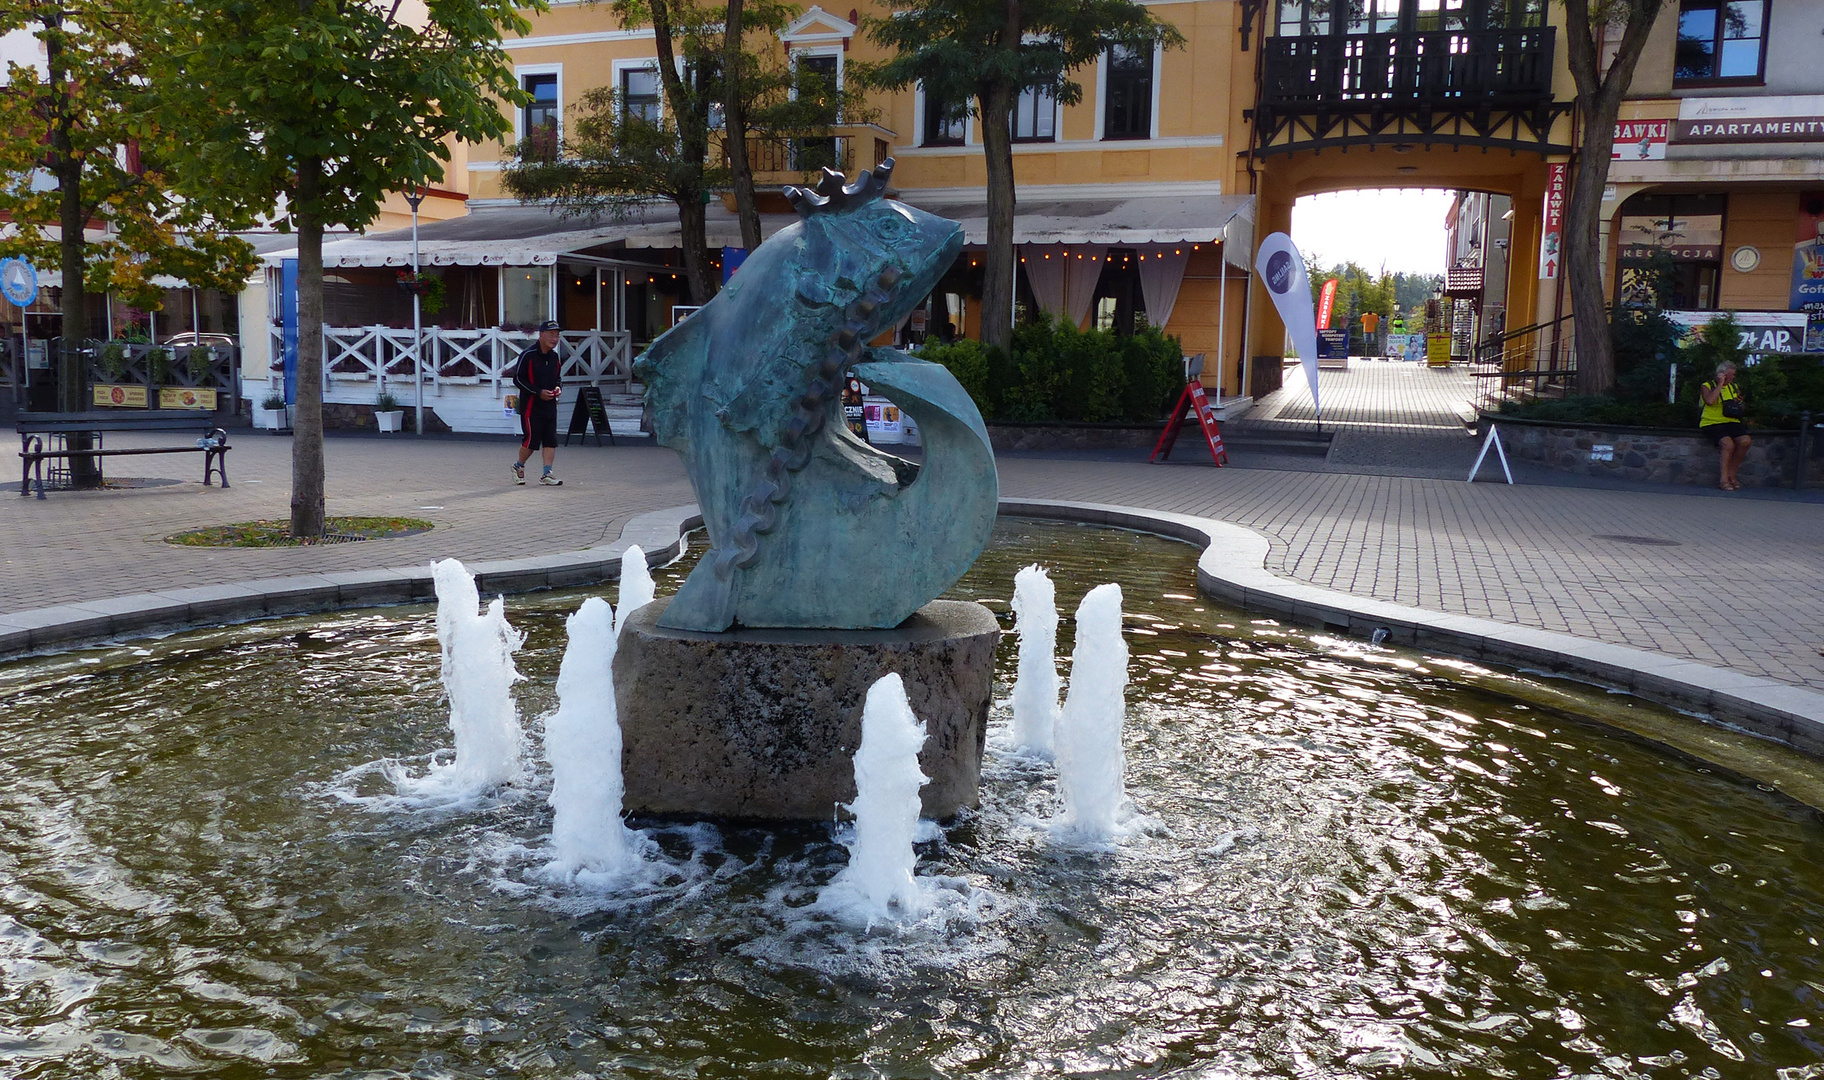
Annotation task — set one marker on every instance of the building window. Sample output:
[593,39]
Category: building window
[1128,108]
[538,120]
[939,130]
[1719,40]
[1035,116]
[640,94]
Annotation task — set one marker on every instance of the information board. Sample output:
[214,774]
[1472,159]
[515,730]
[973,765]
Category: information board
[590,411]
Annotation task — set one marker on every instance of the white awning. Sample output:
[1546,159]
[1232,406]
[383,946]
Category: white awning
[515,235]
[1119,222]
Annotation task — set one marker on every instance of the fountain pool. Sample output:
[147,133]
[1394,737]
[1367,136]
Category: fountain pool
[1361,862]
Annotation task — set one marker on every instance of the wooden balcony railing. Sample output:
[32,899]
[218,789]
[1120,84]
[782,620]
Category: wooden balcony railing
[789,159]
[1438,69]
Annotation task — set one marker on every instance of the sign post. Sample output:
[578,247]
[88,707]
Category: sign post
[590,411]
[1194,400]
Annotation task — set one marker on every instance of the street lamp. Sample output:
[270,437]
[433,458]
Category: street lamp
[416,197]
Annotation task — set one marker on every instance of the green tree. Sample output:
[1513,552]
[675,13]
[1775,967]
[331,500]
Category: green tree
[313,110]
[1591,28]
[974,58]
[612,158]
[74,149]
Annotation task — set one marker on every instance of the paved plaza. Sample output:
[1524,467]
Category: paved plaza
[1735,581]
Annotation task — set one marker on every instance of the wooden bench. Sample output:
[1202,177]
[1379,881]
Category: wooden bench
[32,427]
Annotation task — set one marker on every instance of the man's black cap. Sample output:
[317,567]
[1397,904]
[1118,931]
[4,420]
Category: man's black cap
[549,324]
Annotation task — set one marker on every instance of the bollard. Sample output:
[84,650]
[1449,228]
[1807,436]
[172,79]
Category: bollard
[1804,451]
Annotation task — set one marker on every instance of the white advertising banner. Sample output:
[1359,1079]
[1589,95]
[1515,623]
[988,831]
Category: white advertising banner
[1282,268]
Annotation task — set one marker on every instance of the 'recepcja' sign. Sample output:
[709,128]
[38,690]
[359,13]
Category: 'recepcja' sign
[1750,119]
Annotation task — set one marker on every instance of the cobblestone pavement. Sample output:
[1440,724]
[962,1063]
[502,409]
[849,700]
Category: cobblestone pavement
[1375,394]
[1741,584]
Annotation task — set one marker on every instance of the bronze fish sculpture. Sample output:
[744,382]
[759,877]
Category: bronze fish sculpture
[810,526]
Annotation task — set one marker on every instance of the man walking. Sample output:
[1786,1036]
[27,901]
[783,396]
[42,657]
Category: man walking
[538,375]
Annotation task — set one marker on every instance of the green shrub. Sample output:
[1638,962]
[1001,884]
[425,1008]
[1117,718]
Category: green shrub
[1056,372]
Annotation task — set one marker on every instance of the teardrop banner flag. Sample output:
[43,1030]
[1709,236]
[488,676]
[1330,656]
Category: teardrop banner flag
[1326,303]
[1282,268]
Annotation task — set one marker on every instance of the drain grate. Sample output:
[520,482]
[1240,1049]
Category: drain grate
[1643,541]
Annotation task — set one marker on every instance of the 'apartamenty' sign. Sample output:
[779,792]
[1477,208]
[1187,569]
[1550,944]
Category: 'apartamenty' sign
[1750,120]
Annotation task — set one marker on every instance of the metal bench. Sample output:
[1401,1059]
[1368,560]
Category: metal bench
[33,427]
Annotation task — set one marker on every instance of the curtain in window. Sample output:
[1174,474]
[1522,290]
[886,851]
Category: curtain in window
[1045,273]
[1161,275]
[1082,272]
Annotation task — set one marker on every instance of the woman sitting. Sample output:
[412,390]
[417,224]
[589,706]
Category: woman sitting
[1723,420]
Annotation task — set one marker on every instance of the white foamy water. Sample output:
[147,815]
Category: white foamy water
[1090,758]
[478,675]
[636,588]
[583,745]
[879,883]
[1035,688]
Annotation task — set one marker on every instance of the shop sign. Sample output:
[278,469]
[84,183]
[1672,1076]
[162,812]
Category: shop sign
[1551,237]
[1641,140]
[1750,120]
[1332,344]
[1685,239]
[1761,331]
[120,397]
[1808,255]
[185,397]
[1437,350]
[1463,281]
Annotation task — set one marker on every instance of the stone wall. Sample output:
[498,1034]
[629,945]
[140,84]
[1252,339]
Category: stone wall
[1653,455]
[1006,436]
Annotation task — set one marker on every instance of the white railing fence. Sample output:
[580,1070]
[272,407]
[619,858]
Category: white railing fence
[375,354]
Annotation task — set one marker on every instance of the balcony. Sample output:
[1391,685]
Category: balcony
[1487,88]
[846,148]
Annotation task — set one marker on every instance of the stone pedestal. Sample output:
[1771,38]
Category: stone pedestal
[763,724]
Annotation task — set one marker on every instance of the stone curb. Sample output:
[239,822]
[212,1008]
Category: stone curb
[1232,568]
[660,534]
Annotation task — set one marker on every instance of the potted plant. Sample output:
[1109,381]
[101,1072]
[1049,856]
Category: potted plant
[272,414]
[387,413]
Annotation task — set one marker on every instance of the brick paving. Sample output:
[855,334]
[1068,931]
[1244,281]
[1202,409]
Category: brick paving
[1742,585]
[1374,394]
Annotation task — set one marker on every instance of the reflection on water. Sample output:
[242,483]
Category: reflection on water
[1360,869]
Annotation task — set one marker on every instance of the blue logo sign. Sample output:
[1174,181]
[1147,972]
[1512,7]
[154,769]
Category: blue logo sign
[1279,271]
[18,281]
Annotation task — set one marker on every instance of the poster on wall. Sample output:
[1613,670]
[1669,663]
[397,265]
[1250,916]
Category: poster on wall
[1808,255]
[1762,332]
[1551,235]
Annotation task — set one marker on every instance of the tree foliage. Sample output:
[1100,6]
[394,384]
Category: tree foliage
[312,111]
[974,58]
[611,157]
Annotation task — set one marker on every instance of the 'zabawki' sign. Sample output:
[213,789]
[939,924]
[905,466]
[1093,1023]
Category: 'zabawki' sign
[1750,120]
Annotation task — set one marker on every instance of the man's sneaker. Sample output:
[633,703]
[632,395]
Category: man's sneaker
[550,481]
[519,472]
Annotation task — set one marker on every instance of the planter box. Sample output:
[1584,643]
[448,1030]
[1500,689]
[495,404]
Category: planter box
[271,419]
[390,419]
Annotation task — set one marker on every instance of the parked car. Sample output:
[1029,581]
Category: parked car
[214,341]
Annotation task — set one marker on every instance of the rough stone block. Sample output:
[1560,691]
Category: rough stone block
[764,724]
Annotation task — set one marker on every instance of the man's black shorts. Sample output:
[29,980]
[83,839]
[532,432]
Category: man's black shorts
[538,424]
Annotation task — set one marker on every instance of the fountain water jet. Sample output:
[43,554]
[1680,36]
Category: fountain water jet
[583,745]
[1090,758]
[637,587]
[1035,688]
[879,884]
[478,676]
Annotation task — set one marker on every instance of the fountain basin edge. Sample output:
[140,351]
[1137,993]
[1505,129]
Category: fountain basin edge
[1232,569]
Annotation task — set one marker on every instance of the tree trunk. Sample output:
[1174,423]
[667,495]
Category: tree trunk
[72,356]
[998,262]
[734,128]
[691,118]
[1599,95]
[307,502]
[693,233]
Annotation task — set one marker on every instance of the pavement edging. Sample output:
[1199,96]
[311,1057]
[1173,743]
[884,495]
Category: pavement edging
[1232,568]
[660,534]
